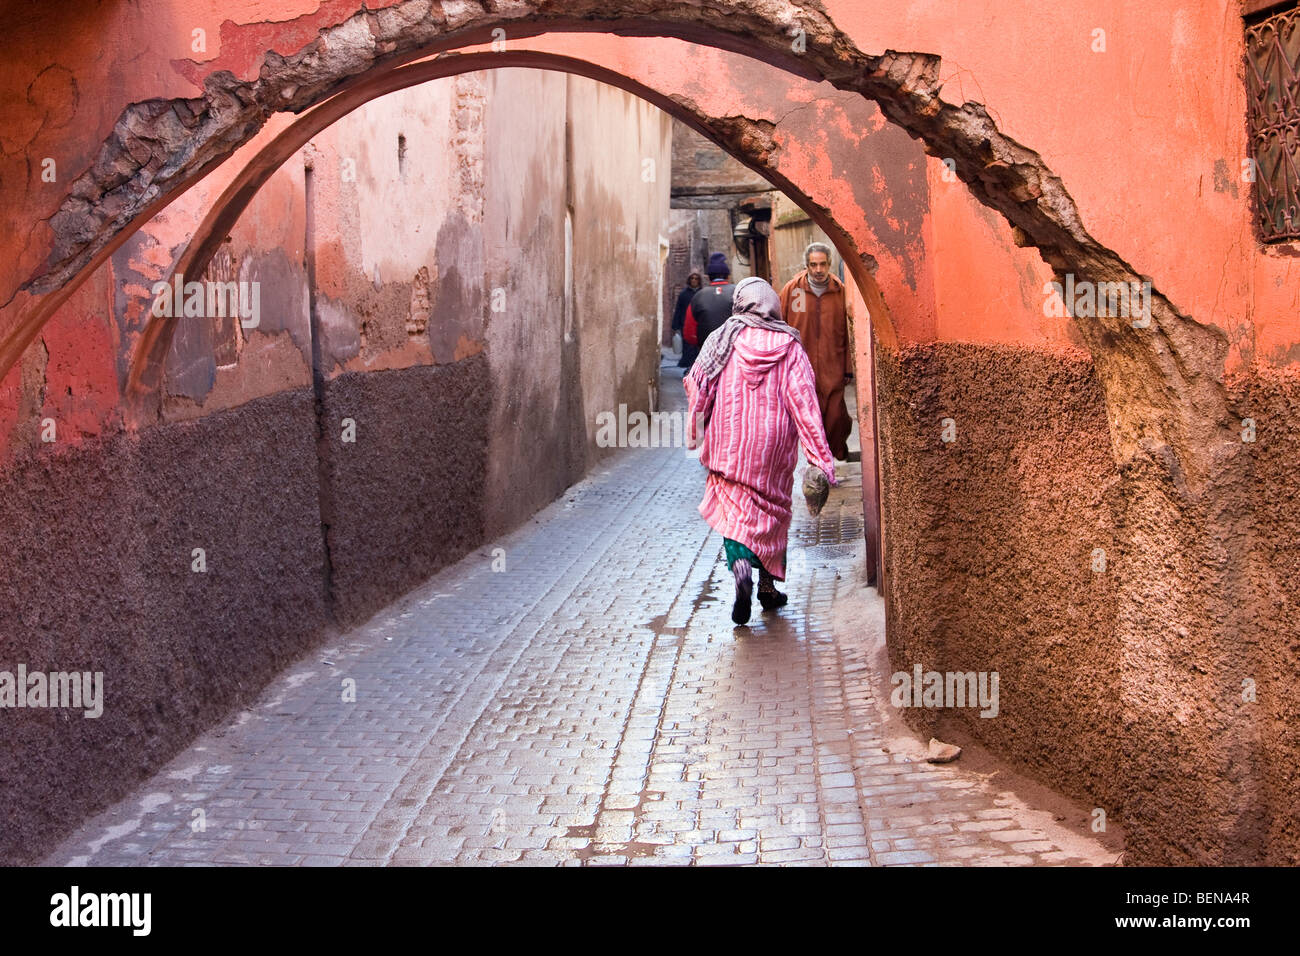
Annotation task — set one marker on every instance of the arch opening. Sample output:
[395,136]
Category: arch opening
[733,134]
[1162,388]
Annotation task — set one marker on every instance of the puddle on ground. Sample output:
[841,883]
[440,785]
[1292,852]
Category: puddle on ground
[659,623]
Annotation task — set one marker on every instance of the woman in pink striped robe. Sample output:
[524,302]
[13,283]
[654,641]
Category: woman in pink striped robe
[753,400]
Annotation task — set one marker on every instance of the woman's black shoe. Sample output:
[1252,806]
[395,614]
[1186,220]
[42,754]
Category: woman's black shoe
[744,591]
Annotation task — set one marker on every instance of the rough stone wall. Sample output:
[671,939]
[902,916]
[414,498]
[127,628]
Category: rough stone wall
[1270,497]
[990,543]
[403,495]
[98,547]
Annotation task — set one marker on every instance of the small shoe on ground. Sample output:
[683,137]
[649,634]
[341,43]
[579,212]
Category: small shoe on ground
[768,595]
[744,591]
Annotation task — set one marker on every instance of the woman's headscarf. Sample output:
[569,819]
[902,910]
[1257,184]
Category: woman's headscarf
[755,304]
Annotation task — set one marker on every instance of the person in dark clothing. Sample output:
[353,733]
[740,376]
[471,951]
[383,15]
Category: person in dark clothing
[684,297]
[711,306]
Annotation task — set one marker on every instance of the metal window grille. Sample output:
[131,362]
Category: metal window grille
[1273,91]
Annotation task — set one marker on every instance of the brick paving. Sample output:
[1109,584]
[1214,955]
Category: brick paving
[589,704]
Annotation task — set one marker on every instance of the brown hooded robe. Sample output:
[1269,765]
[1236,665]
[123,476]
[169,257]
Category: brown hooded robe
[824,329]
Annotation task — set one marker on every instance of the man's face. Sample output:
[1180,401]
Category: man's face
[819,266]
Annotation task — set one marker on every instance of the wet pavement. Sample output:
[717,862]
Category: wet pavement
[575,693]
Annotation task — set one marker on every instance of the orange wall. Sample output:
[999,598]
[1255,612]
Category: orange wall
[986,288]
[1140,134]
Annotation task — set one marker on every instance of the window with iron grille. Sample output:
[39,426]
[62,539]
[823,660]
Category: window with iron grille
[1273,111]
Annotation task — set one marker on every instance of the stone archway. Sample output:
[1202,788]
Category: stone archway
[753,142]
[1162,387]
[742,138]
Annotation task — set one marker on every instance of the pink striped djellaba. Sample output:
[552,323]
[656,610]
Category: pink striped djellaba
[758,410]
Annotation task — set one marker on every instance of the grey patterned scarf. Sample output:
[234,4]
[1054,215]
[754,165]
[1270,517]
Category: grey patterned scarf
[756,305]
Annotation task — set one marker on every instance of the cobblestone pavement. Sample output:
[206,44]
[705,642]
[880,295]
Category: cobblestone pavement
[590,704]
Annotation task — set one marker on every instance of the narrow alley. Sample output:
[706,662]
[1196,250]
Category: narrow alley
[509,711]
[345,513]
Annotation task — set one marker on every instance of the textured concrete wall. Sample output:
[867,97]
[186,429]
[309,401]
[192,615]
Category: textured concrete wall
[616,235]
[1114,685]
[1270,499]
[538,442]
[402,493]
[98,548]
[992,537]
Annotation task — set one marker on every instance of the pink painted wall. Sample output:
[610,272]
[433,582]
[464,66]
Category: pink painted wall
[1140,134]
[986,289]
